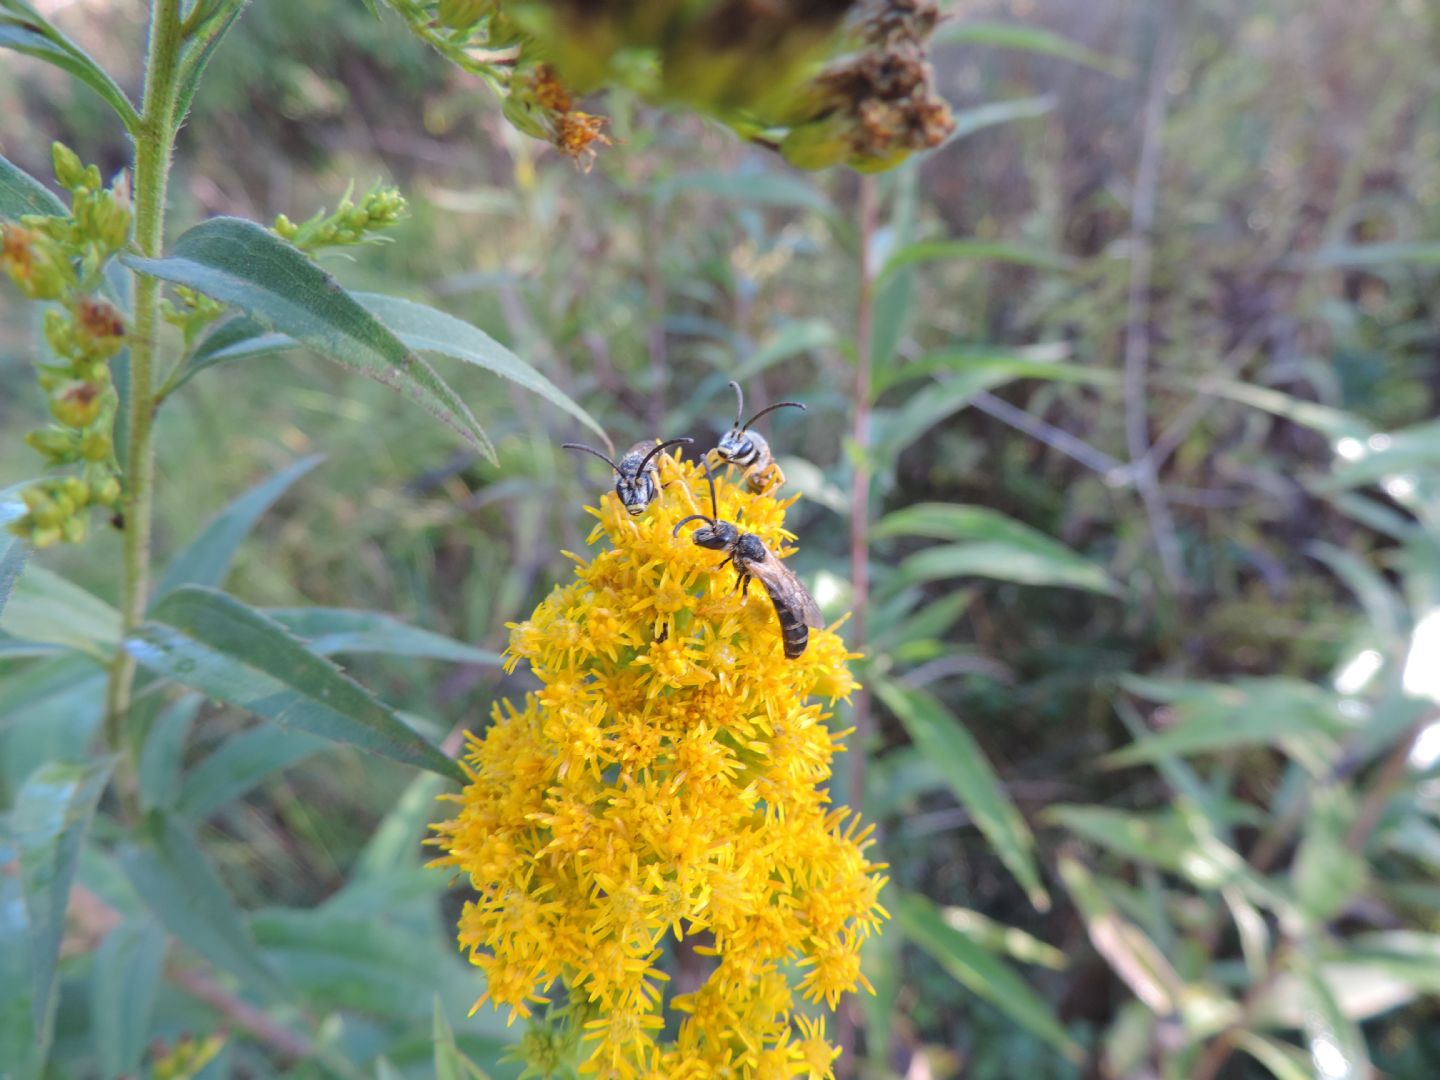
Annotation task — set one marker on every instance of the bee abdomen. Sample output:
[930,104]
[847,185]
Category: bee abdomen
[793,632]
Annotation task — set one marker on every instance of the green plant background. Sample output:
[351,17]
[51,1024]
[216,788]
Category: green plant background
[1136,732]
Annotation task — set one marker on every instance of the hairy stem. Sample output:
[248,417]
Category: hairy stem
[153,146]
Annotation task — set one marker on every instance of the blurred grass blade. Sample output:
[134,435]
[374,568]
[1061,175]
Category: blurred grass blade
[124,981]
[1326,874]
[980,971]
[979,251]
[169,870]
[50,818]
[795,337]
[969,121]
[1296,716]
[450,1063]
[395,843]
[947,742]
[1027,39]
[1129,952]
[207,558]
[757,187]
[1384,609]
[425,329]
[1284,1061]
[44,607]
[989,544]
[1156,838]
[999,938]
[25,30]
[22,194]
[211,642]
[329,631]
[1337,1045]
[241,264]
[240,764]
[1333,423]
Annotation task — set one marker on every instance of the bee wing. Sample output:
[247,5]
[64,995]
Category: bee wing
[786,591]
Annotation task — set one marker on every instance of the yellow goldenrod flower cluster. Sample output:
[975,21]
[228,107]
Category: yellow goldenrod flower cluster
[666,782]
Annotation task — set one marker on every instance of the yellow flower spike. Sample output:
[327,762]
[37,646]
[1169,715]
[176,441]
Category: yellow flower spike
[667,780]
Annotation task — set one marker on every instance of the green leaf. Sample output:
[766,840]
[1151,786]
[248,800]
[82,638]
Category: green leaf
[977,250]
[1365,256]
[894,305]
[13,553]
[1411,956]
[1027,39]
[240,764]
[66,679]
[1003,549]
[44,607]
[51,816]
[124,981]
[425,329]
[1284,1061]
[793,338]
[450,1063]
[170,872]
[1158,838]
[969,121]
[1383,606]
[1204,717]
[759,188]
[1326,874]
[213,643]
[23,1046]
[1337,1045]
[207,558]
[22,194]
[395,844]
[341,630]
[980,971]
[949,744]
[26,31]
[237,338]
[163,753]
[1415,449]
[241,264]
[1334,423]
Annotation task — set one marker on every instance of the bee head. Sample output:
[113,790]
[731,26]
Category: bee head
[635,492]
[736,444]
[717,536]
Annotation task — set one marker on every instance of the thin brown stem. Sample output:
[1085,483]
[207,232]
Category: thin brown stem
[655,338]
[257,1024]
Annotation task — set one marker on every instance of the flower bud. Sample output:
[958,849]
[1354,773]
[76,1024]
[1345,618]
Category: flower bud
[97,446]
[107,492]
[69,170]
[76,404]
[75,528]
[56,445]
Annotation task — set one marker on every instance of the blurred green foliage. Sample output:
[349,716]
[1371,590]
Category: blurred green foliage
[1219,852]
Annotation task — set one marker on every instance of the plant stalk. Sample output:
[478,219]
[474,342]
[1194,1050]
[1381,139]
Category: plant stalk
[154,144]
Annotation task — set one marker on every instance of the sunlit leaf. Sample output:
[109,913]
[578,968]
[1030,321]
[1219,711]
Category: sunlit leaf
[213,643]
[980,971]
[947,742]
[330,631]
[241,264]
[207,558]
[1009,551]
[49,821]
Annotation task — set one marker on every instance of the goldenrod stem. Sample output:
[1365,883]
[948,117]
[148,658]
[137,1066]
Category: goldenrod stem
[154,144]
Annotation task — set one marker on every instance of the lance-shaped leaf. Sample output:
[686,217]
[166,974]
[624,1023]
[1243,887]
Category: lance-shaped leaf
[169,870]
[211,642]
[25,30]
[329,631]
[980,971]
[241,264]
[124,981]
[46,608]
[240,764]
[51,816]
[22,194]
[205,560]
[947,742]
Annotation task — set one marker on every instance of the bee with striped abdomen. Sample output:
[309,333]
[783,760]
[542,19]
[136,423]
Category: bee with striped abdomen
[748,449]
[794,606]
[637,481]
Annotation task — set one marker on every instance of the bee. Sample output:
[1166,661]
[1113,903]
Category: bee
[637,481]
[743,447]
[794,606]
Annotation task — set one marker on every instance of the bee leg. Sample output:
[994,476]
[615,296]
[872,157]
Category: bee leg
[728,560]
[745,586]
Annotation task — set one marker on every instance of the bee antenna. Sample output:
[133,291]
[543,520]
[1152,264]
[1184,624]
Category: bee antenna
[591,450]
[714,502]
[772,408]
[671,442]
[739,403]
[686,521]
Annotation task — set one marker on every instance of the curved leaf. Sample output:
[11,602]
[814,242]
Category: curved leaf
[45,607]
[22,194]
[123,983]
[211,642]
[51,816]
[340,630]
[205,560]
[948,743]
[425,329]
[980,971]
[1038,561]
[26,31]
[240,264]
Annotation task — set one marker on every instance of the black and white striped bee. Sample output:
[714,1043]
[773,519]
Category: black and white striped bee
[637,481]
[748,449]
[794,606]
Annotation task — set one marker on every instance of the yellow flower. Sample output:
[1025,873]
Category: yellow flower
[667,781]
